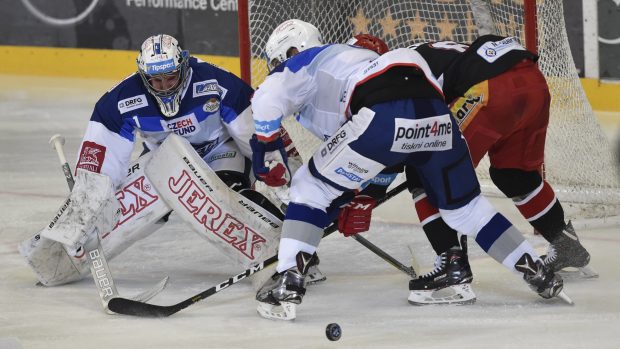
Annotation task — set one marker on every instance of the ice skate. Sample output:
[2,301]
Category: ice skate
[568,257]
[541,279]
[314,275]
[279,296]
[448,283]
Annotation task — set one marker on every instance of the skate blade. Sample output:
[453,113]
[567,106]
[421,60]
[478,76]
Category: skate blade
[315,279]
[285,311]
[314,276]
[578,273]
[563,296]
[457,294]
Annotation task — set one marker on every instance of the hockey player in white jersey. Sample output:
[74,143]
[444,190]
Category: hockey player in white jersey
[171,93]
[376,111]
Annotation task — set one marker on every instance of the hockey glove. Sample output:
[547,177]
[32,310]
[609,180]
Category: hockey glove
[355,216]
[294,160]
[270,162]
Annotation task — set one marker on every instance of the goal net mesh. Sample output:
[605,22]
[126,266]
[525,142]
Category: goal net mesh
[579,162]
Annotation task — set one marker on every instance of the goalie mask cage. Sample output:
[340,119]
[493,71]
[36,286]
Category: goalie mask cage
[579,162]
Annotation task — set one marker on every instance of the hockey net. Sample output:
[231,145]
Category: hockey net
[578,162]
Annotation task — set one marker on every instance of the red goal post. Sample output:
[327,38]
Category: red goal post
[579,161]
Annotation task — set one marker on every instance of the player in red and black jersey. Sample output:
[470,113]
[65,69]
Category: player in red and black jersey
[500,100]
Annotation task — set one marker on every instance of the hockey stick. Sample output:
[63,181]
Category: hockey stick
[410,271]
[386,257]
[57,141]
[137,308]
[98,264]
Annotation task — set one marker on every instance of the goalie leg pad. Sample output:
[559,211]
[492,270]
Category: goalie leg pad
[50,261]
[231,166]
[141,213]
[91,206]
[261,200]
[240,228]
[142,210]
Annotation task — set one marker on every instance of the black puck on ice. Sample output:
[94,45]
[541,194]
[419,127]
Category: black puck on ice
[333,332]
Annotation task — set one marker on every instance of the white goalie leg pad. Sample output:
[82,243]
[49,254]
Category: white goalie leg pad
[259,279]
[279,196]
[241,229]
[141,214]
[455,294]
[142,210]
[50,261]
[91,206]
[285,311]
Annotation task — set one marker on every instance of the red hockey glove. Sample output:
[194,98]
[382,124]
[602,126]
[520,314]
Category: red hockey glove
[269,162]
[355,217]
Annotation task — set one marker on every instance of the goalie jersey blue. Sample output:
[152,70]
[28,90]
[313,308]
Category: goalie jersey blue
[214,106]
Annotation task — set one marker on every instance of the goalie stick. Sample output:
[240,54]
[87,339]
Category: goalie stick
[94,252]
[57,141]
[136,308]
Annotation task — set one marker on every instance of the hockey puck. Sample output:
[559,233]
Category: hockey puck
[333,332]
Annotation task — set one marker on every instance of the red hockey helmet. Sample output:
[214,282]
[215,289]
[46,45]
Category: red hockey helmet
[370,42]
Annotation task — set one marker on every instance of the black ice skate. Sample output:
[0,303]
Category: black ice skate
[567,256]
[448,283]
[279,296]
[541,279]
[314,275]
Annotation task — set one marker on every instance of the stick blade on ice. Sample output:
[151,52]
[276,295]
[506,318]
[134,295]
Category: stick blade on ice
[136,308]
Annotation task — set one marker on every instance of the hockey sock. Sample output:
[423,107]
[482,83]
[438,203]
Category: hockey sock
[439,234]
[543,210]
[503,242]
[302,230]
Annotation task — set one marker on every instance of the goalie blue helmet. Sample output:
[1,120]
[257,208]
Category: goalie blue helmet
[164,68]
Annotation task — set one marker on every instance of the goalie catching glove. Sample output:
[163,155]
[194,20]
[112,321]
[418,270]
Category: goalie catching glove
[356,215]
[270,162]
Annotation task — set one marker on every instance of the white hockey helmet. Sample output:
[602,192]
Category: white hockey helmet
[161,57]
[293,33]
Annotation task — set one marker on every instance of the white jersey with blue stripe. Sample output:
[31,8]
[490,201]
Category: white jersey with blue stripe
[319,83]
[214,107]
[312,83]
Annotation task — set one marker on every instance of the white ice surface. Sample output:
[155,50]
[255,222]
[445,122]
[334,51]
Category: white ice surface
[365,295]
